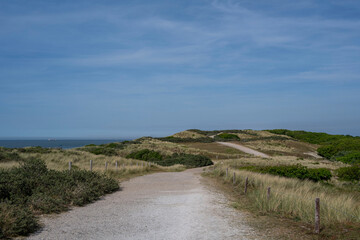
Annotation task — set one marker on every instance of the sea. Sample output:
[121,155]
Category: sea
[64,144]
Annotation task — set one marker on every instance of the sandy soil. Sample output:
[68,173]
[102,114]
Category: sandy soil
[157,206]
[244,149]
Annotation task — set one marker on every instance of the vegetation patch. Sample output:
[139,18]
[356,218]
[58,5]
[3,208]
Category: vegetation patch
[351,173]
[293,171]
[37,149]
[109,149]
[227,137]
[187,140]
[331,145]
[32,189]
[188,160]
[8,155]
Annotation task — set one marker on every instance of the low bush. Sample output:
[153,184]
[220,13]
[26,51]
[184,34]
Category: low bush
[184,140]
[227,136]
[350,157]
[331,144]
[33,189]
[99,150]
[294,171]
[188,160]
[8,156]
[34,150]
[146,155]
[349,173]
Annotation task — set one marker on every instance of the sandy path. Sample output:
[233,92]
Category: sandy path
[244,149]
[157,206]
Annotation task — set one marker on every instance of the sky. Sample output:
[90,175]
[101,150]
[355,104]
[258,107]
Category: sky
[120,69]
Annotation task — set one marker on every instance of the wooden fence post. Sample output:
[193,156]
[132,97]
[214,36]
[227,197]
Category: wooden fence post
[246,184]
[268,193]
[234,179]
[106,166]
[116,165]
[70,164]
[317,215]
[90,165]
[227,172]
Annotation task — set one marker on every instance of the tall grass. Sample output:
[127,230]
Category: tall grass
[295,198]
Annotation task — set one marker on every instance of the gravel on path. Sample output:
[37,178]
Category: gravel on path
[174,205]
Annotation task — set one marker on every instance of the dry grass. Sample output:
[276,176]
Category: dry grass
[168,148]
[295,198]
[59,160]
[188,134]
[214,148]
[284,160]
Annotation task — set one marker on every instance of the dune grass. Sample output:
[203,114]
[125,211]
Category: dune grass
[294,198]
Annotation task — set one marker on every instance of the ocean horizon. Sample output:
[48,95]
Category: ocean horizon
[54,143]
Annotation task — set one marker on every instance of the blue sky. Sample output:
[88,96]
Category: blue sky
[110,69]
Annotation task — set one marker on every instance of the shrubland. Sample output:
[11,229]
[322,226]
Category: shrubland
[32,189]
[343,148]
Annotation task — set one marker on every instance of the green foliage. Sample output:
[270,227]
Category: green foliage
[98,150]
[184,140]
[294,171]
[331,144]
[227,136]
[215,132]
[16,220]
[109,149]
[33,189]
[146,155]
[349,173]
[350,157]
[188,160]
[34,150]
[8,155]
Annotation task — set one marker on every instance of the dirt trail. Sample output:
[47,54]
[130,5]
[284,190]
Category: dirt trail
[157,206]
[244,149]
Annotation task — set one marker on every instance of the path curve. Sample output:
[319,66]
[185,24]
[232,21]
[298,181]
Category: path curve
[245,149]
[173,205]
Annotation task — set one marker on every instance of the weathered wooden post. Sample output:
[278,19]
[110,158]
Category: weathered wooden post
[268,193]
[246,184]
[106,163]
[317,215]
[116,165]
[90,165]
[217,157]
[234,179]
[227,172]
[70,164]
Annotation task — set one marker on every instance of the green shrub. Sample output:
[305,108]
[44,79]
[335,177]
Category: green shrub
[145,155]
[188,160]
[184,140]
[350,157]
[98,150]
[37,149]
[227,136]
[16,220]
[32,188]
[349,173]
[294,171]
[9,156]
[331,144]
